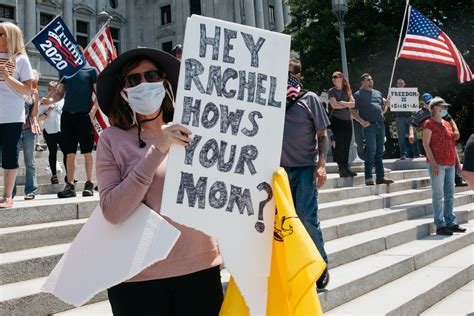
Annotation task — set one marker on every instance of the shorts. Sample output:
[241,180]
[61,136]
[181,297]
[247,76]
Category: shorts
[76,128]
[10,134]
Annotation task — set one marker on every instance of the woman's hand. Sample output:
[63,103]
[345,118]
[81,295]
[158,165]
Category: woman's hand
[434,169]
[172,134]
[6,69]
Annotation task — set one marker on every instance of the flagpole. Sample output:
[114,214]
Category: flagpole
[407,6]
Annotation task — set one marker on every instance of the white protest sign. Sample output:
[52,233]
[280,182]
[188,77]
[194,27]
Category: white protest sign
[232,96]
[103,254]
[404,100]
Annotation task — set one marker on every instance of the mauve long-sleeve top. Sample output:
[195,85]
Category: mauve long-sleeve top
[128,175]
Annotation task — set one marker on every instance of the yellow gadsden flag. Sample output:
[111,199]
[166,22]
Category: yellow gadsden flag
[296,264]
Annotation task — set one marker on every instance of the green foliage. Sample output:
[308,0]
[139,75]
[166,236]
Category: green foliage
[372,30]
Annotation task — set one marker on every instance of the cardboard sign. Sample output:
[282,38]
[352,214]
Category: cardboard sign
[231,95]
[404,100]
[103,255]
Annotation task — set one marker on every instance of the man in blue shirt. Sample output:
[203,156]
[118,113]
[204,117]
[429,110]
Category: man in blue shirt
[370,106]
[76,126]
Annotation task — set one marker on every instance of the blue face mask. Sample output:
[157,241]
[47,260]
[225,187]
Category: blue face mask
[443,112]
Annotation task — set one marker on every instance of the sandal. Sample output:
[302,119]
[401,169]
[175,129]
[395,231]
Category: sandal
[54,179]
[6,203]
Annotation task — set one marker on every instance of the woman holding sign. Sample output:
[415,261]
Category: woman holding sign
[136,91]
[341,102]
[15,81]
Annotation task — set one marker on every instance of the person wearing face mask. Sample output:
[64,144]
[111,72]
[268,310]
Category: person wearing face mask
[440,148]
[136,91]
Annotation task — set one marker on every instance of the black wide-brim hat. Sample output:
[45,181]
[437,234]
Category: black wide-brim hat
[110,80]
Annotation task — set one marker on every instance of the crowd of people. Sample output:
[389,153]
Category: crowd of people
[136,91]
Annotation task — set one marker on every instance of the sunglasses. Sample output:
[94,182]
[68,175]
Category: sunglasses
[335,77]
[149,76]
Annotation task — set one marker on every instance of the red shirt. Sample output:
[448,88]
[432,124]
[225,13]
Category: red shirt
[442,142]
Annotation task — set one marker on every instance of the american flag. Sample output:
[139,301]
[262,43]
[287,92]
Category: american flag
[99,53]
[293,88]
[425,41]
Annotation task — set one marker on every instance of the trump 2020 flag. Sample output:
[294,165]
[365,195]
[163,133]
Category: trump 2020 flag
[57,45]
[425,41]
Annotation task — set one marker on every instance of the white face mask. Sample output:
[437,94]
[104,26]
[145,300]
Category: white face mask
[146,98]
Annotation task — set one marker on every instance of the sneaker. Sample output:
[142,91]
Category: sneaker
[29,197]
[54,179]
[69,191]
[461,183]
[456,229]
[88,189]
[384,181]
[369,182]
[323,280]
[6,203]
[403,157]
[444,231]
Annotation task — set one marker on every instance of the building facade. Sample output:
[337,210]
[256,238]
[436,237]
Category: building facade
[150,23]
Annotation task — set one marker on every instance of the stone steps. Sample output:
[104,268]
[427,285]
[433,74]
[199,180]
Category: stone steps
[47,208]
[374,236]
[418,290]
[460,302]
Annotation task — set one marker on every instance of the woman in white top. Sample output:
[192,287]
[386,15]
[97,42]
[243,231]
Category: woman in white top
[50,114]
[15,81]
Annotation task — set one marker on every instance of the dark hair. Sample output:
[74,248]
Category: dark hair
[364,76]
[120,113]
[346,86]
[296,63]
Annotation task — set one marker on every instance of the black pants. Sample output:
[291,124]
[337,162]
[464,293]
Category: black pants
[342,130]
[52,141]
[198,293]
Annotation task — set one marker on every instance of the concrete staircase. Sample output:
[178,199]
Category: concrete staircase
[384,258]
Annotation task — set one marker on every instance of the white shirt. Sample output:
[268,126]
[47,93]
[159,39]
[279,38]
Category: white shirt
[52,122]
[12,104]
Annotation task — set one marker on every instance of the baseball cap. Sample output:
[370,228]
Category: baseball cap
[426,97]
[437,101]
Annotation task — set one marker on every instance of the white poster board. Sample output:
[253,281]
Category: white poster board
[404,100]
[103,254]
[232,96]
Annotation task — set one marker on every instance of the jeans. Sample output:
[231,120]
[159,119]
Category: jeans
[305,198]
[374,140]
[28,140]
[443,186]
[403,128]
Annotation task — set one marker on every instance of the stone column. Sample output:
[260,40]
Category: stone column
[279,23]
[180,20]
[30,19]
[286,14]
[259,19]
[67,14]
[237,12]
[249,13]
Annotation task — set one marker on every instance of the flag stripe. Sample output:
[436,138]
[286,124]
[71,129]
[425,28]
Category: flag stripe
[429,50]
[428,56]
[408,56]
[421,44]
[426,41]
